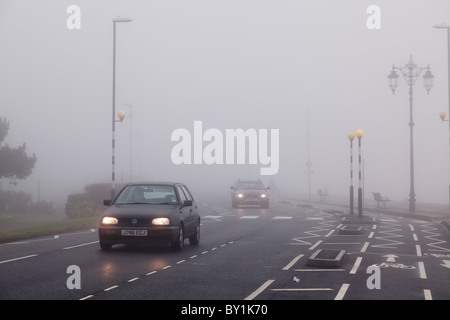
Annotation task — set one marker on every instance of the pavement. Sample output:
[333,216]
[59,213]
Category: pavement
[424,211]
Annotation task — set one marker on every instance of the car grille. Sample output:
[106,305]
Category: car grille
[135,222]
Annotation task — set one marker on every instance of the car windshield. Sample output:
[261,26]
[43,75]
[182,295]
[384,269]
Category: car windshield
[147,194]
[250,185]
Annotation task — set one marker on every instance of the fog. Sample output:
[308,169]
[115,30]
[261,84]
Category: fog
[314,70]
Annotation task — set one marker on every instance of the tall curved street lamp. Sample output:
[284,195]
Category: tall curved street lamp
[121,114]
[410,73]
[443,114]
[359,134]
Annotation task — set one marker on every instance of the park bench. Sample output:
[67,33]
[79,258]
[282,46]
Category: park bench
[323,194]
[378,198]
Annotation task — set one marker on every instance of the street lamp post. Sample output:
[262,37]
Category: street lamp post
[410,73]
[443,114]
[121,114]
[351,136]
[359,135]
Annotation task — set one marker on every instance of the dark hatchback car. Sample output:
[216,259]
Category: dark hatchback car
[249,192]
[150,213]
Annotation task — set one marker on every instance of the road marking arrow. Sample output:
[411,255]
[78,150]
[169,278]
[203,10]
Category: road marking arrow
[390,257]
[446,263]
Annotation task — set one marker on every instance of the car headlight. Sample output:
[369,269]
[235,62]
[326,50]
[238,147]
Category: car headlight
[109,220]
[160,221]
[263,195]
[240,195]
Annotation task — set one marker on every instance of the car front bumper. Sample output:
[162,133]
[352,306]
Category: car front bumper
[251,200]
[155,235]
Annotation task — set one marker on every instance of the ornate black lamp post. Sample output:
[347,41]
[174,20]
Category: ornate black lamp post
[410,73]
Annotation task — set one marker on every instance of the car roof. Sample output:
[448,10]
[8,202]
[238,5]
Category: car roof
[166,183]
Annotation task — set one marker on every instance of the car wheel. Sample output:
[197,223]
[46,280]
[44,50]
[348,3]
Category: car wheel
[179,241]
[195,238]
[105,246]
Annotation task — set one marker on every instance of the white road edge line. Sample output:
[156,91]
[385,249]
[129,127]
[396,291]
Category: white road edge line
[356,265]
[330,233]
[418,250]
[342,291]
[15,259]
[303,289]
[290,264]
[364,248]
[259,290]
[315,245]
[427,293]
[423,274]
[317,270]
[110,288]
[80,245]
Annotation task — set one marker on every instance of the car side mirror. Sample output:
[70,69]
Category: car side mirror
[232,188]
[107,203]
[268,188]
[186,203]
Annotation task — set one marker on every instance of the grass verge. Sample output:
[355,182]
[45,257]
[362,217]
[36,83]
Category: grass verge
[49,228]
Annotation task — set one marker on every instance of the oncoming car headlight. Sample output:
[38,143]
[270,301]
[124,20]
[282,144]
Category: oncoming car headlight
[109,220]
[160,221]
[240,195]
[263,195]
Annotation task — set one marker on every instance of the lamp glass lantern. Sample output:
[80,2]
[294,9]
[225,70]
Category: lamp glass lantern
[359,133]
[351,136]
[428,80]
[393,79]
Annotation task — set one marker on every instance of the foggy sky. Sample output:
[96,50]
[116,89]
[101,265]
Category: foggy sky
[231,64]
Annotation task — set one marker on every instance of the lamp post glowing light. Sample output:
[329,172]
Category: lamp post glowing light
[410,73]
[121,115]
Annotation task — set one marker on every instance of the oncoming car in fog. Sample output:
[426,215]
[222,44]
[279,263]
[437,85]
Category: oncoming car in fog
[150,213]
[249,192]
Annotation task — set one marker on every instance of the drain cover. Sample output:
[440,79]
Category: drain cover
[326,258]
[351,229]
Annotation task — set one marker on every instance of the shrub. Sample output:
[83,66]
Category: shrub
[15,202]
[98,192]
[43,207]
[78,205]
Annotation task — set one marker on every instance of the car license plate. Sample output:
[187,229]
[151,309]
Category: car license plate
[136,233]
